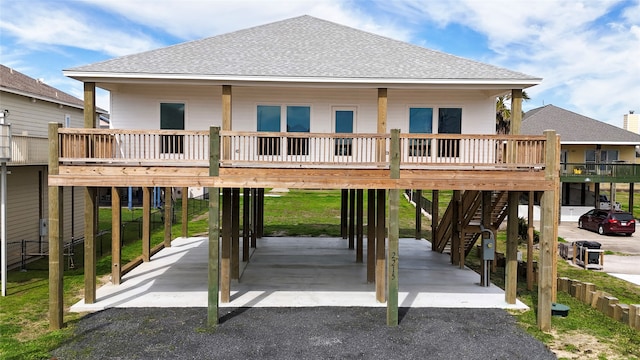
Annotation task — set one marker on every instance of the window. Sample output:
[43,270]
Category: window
[298,120]
[606,157]
[420,122]
[268,121]
[172,118]
[344,125]
[449,122]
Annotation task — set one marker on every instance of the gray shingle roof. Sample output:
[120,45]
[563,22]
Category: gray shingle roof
[15,81]
[303,47]
[574,128]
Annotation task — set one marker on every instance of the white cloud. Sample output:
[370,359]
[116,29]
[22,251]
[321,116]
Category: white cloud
[194,19]
[588,61]
[43,24]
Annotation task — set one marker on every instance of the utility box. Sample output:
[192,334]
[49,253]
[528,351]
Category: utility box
[488,246]
[44,227]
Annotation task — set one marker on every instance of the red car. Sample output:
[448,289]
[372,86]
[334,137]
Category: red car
[608,222]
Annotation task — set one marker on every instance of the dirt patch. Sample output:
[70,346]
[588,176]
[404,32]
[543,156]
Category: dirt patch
[578,346]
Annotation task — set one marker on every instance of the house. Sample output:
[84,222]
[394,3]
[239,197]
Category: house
[28,105]
[592,152]
[306,103]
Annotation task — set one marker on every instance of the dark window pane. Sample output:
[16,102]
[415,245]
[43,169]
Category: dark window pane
[172,118]
[420,120]
[344,121]
[298,119]
[298,146]
[268,118]
[344,125]
[449,122]
[268,145]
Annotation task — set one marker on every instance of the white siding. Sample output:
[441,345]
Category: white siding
[137,107]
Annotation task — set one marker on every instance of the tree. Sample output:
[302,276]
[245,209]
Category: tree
[503,112]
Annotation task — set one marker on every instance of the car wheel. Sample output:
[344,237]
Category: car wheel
[580,224]
[600,230]
[629,234]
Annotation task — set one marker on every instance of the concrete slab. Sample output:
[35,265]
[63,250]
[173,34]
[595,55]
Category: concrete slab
[297,272]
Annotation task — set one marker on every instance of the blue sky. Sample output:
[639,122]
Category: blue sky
[587,51]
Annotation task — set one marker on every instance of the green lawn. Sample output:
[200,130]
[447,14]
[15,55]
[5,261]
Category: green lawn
[23,314]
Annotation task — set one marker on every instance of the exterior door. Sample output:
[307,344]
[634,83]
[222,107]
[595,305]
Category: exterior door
[344,119]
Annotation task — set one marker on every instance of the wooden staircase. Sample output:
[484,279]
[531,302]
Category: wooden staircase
[471,216]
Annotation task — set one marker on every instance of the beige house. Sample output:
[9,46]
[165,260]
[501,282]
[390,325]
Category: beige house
[308,104]
[28,106]
[592,153]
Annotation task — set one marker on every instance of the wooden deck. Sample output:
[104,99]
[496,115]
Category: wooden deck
[97,157]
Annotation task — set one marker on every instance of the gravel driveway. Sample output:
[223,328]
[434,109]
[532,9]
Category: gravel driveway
[301,333]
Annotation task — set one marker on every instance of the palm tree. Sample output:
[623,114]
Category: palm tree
[503,112]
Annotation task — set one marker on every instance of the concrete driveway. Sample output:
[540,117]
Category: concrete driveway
[625,263]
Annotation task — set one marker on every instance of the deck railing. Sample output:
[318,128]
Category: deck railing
[29,150]
[598,172]
[299,150]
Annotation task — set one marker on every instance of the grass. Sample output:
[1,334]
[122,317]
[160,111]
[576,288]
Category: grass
[24,323]
[23,314]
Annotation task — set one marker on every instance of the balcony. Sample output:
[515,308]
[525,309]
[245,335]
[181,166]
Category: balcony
[29,150]
[618,172]
[268,159]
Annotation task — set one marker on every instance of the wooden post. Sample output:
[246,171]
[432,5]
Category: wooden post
[352,216]
[382,123]
[435,216]
[254,216]
[359,225]
[225,262]
[116,227]
[344,212]
[486,222]
[380,245]
[56,246]
[235,233]
[246,211]
[89,105]
[511,268]
[460,232]
[455,227]
[260,218]
[393,256]
[371,235]
[548,235]
[226,119]
[168,215]
[146,223]
[214,229]
[185,212]
[516,111]
[89,245]
[596,192]
[530,278]
[418,202]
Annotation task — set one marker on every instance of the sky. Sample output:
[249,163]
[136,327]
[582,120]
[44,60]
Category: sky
[586,51]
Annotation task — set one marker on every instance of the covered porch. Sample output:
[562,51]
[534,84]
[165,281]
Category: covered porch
[298,272]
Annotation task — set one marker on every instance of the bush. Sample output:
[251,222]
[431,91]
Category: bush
[523,232]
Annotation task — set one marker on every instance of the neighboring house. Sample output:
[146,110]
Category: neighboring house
[306,103]
[592,153]
[29,105]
